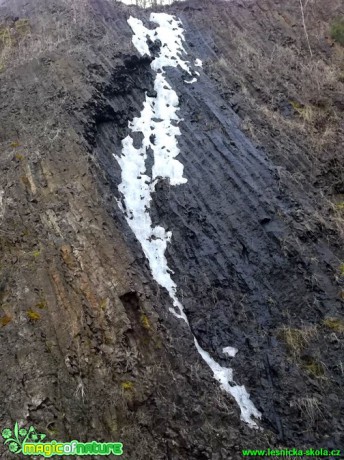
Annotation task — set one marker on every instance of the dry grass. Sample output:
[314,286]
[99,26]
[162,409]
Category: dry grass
[310,408]
[4,320]
[313,366]
[335,324]
[297,339]
[266,72]
[32,315]
[28,38]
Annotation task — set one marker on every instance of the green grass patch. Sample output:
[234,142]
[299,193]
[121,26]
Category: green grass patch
[33,315]
[337,31]
[127,386]
[341,269]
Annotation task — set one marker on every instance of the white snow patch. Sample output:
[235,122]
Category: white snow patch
[198,63]
[148,3]
[140,36]
[230,351]
[247,408]
[171,34]
[191,81]
[2,204]
[157,122]
[224,376]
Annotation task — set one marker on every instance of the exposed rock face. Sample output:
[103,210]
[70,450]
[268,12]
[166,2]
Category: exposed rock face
[89,348]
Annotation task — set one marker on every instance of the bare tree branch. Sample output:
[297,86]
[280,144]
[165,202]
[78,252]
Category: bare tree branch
[304,25]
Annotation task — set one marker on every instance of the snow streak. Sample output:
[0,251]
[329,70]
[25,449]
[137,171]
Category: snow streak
[149,3]
[158,123]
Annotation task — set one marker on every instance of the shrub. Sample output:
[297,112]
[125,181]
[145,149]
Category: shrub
[337,31]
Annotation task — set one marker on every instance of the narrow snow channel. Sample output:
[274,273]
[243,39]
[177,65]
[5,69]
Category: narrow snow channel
[158,123]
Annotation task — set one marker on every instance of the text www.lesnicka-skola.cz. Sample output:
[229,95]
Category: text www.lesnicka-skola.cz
[292,452]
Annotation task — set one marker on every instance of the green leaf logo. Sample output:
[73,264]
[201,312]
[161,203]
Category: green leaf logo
[14,439]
